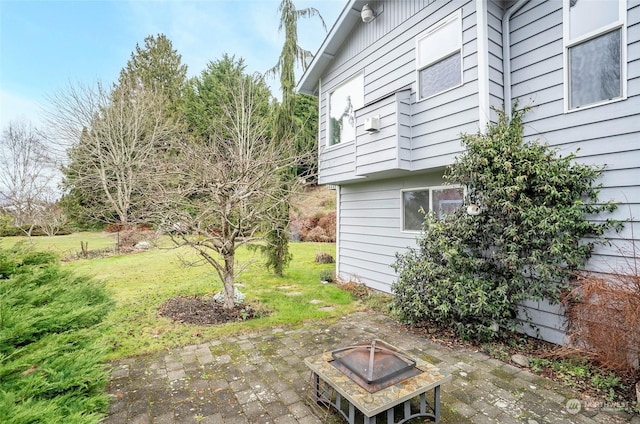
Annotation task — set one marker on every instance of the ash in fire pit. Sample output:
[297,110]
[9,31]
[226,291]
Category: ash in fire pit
[374,366]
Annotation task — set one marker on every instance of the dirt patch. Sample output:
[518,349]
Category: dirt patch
[203,310]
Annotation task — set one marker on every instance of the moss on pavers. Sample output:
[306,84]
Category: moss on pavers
[268,368]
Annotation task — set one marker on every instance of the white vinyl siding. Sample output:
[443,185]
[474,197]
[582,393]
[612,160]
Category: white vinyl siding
[370,228]
[601,133]
[595,52]
[418,139]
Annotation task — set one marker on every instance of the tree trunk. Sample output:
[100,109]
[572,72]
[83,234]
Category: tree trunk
[229,293]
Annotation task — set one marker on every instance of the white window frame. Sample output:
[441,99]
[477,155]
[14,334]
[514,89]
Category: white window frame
[430,189]
[568,42]
[421,65]
[328,114]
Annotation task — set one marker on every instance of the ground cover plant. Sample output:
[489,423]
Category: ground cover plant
[51,358]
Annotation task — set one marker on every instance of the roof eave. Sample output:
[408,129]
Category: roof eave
[350,14]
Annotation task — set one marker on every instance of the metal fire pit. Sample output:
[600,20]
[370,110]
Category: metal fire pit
[376,380]
[374,366]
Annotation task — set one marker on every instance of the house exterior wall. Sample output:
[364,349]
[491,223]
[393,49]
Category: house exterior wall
[608,134]
[388,64]
[418,139]
[370,227]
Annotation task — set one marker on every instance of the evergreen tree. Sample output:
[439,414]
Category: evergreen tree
[206,96]
[285,123]
[158,67]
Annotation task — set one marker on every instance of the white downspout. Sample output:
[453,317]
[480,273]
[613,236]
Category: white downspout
[506,53]
[483,64]
[338,198]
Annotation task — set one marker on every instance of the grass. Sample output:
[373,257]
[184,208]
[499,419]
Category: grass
[67,245]
[141,282]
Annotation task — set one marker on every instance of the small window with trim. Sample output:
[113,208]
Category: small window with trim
[439,57]
[595,52]
[442,200]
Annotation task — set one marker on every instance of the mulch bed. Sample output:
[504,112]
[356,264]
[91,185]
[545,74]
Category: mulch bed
[203,310]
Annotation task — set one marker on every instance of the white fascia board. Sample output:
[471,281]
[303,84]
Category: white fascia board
[349,16]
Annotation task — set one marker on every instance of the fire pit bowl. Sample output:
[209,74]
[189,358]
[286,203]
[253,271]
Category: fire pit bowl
[375,365]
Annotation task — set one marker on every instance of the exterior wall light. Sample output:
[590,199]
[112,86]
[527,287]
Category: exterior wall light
[473,209]
[367,14]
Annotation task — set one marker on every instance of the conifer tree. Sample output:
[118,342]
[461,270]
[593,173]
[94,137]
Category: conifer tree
[285,123]
[157,67]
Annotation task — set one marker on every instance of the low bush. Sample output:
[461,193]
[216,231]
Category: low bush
[602,310]
[317,234]
[327,275]
[50,361]
[328,224]
[320,227]
[127,239]
[114,228]
[324,258]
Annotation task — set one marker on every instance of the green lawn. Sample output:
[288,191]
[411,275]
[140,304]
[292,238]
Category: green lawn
[68,245]
[141,282]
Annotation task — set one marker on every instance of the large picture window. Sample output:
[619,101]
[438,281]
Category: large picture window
[439,56]
[595,51]
[416,202]
[343,102]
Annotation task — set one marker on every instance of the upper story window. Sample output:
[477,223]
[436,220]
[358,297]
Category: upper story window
[439,56]
[343,102]
[441,200]
[595,48]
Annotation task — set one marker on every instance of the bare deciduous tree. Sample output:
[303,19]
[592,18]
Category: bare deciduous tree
[24,176]
[52,218]
[111,136]
[226,191]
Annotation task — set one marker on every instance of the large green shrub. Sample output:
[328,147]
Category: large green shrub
[50,359]
[472,272]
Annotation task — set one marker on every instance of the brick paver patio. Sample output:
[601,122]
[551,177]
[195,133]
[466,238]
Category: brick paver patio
[261,378]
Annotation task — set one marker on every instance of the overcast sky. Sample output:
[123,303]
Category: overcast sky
[45,45]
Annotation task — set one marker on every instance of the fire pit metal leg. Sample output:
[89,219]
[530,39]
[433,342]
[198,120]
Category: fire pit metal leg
[325,392]
[436,403]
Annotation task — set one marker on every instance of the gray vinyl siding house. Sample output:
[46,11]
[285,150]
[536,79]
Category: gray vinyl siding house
[395,94]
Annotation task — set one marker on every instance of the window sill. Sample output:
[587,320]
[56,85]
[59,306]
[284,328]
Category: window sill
[592,105]
[335,146]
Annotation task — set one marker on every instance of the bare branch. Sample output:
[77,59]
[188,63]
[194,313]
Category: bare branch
[219,194]
[25,176]
[111,137]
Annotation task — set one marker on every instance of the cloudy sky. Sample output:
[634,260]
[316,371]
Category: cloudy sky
[45,45]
